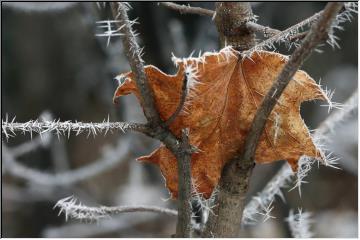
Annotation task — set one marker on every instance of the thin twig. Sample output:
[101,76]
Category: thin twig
[298,36]
[284,36]
[184,92]
[266,31]
[133,54]
[183,9]
[10,127]
[74,209]
[292,33]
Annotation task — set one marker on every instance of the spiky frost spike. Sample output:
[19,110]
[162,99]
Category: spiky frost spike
[205,205]
[110,29]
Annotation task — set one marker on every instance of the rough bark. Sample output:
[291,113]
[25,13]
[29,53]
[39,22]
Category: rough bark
[230,20]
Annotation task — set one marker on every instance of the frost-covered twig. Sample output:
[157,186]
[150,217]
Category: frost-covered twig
[72,208]
[10,127]
[284,174]
[133,53]
[320,138]
[109,158]
[300,224]
[267,195]
[337,117]
[292,33]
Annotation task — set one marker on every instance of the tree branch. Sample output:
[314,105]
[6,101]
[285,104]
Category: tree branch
[157,128]
[73,209]
[133,55]
[183,9]
[10,128]
[292,33]
[232,189]
[252,26]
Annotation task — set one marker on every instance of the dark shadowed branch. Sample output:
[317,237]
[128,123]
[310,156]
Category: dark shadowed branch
[157,128]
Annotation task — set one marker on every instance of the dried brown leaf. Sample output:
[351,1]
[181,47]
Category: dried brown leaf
[224,92]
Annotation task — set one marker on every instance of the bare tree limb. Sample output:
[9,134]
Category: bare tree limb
[232,190]
[157,128]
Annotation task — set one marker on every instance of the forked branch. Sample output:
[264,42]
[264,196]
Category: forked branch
[252,26]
